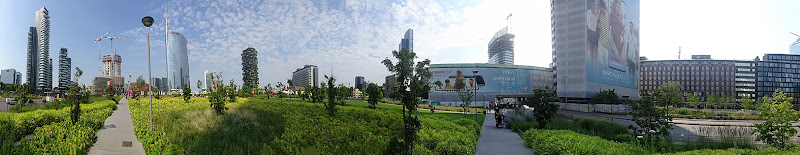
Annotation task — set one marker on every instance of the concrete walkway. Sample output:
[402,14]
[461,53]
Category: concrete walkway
[495,140]
[117,135]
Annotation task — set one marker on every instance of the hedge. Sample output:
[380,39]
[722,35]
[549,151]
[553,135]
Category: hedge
[568,142]
[53,131]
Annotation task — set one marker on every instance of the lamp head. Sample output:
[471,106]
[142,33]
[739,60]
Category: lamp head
[475,72]
[147,21]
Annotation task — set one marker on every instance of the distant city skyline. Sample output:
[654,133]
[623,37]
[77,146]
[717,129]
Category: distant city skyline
[349,39]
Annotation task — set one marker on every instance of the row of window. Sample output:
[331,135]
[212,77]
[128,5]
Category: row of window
[692,78]
[686,67]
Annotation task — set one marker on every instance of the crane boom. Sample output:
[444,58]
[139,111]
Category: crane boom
[100,56]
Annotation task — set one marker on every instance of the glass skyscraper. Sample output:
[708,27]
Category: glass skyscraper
[177,61]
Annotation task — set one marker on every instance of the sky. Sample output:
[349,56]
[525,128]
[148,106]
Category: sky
[350,38]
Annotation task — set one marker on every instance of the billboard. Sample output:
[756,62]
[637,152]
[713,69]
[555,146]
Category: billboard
[612,42]
[486,80]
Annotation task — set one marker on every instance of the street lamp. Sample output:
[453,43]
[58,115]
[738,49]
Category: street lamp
[475,83]
[148,21]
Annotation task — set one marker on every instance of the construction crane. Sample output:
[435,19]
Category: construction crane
[113,70]
[100,56]
[794,34]
[112,43]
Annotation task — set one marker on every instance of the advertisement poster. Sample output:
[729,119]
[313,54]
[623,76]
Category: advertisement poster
[612,52]
[486,80]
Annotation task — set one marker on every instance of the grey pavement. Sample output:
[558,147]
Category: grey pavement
[503,141]
[117,132]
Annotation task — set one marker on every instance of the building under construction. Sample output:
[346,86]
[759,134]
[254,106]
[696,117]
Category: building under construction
[501,46]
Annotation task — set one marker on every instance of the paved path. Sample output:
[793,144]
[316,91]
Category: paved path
[116,132]
[503,141]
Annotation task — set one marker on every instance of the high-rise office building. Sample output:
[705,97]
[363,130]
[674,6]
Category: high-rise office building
[795,47]
[702,77]
[407,42]
[64,70]
[308,75]
[39,65]
[360,83]
[32,65]
[10,76]
[778,72]
[112,66]
[501,47]
[595,47]
[177,61]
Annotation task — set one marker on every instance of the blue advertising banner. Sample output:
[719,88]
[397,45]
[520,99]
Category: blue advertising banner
[486,80]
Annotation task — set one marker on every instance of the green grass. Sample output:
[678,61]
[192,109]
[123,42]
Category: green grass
[421,112]
[290,126]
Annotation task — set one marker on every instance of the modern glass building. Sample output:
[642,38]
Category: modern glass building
[501,47]
[64,70]
[702,77]
[305,76]
[795,47]
[360,83]
[595,48]
[177,61]
[40,70]
[490,82]
[10,76]
[778,72]
[407,42]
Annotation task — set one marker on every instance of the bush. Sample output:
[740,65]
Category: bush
[53,132]
[683,111]
[522,126]
[602,128]
[568,142]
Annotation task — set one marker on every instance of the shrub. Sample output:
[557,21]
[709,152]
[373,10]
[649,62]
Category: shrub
[683,111]
[568,142]
[522,126]
[603,128]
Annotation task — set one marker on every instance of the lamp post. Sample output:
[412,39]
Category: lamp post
[474,72]
[148,21]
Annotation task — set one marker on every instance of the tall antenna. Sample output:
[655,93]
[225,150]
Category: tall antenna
[679,52]
[508,21]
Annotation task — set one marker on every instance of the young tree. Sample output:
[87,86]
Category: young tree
[605,97]
[23,95]
[715,100]
[217,96]
[187,93]
[651,118]
[670,93]
[466,98]
[694,100]
[375,94]
[232,92]
[778,115]
[75,95]
[332,93]
[411,83]
[543,110]
[250,68]
[747,103]
[199,86]
[110,93]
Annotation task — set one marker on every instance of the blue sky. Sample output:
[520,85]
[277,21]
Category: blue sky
[350,38]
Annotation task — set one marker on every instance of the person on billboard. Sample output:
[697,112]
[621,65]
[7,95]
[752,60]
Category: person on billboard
[591,27]
[472,83]
[617,50]
[460,80]
[447,84]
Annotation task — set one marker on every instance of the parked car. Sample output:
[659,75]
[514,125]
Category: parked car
[10,101]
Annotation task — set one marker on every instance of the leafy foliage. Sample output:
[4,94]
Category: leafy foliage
[466,98]
[411,82]
[748,103]
[330,106]
[693,100]
[778,115]
[75,96]
[543,110]
[670,93]
[231,90]
[187,93]
[652,119]
[375,94]
[216,97]
[569,142]
[605,97]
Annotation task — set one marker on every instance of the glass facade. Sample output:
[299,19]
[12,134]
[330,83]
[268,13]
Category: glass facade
[701,77]
[781,72]
[177,61]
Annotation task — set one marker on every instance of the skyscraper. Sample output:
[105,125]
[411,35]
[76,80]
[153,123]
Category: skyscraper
[501,47]
[32,73]
[795,47]
[64,70]
[407,42]
[207,76]
[177,61]
[595,47]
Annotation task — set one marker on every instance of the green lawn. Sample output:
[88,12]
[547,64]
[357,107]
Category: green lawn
[421,112]
[291,126]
